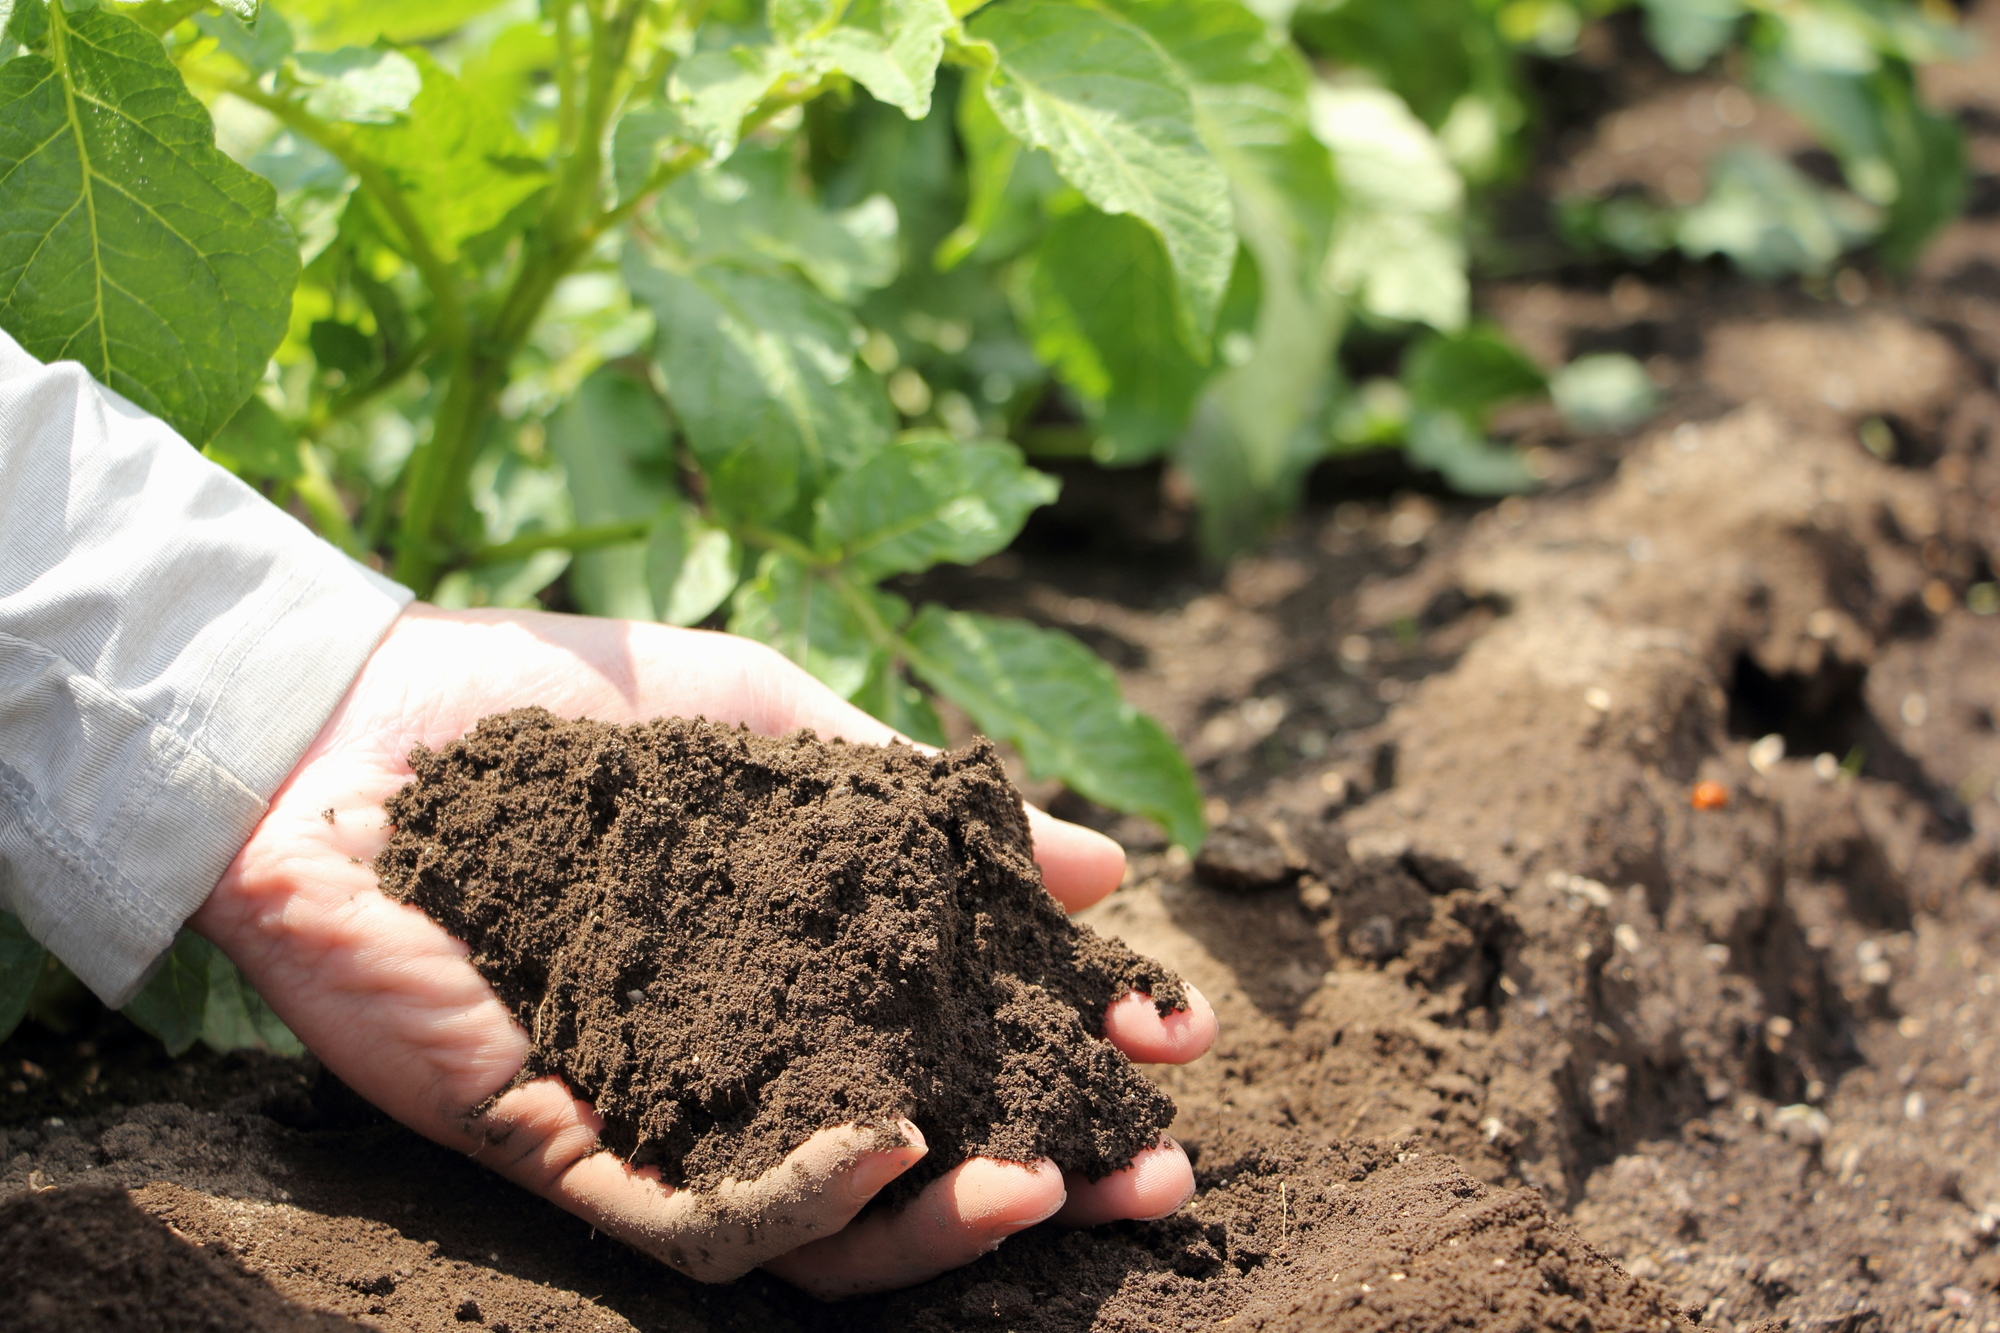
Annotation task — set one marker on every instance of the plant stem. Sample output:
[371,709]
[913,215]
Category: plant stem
[575,539]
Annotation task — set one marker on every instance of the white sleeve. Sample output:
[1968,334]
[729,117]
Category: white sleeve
[170,643]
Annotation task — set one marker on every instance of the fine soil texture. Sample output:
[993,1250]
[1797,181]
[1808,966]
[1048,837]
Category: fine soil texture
[1515,1035]
[725,942]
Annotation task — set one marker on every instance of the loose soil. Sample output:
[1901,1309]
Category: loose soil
[1484,973]
[725,942]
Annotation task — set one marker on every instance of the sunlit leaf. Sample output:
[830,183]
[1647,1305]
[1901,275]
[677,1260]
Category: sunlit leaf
[1690,33]
[1059,705]
[257,444]
[691,566]
[1100,305]
[889,47]
[764,379]
[927,500]
[334,23]
[1397,247]
[1118,118]
[130,243]
[364,85]
[461,165]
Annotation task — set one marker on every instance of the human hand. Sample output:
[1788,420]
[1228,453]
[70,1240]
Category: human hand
[390,1003]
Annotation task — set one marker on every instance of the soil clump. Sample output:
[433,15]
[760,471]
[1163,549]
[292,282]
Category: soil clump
[726,942]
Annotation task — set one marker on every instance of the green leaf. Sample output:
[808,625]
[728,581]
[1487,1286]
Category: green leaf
[21,964]
[236,1017]
[990,153]
[1119,121]
[1893,150]
[1257,429]
[1397,250]
[1769,218]
[691,566]
[713,90]
[131,244]
[889,47]
[363,85]
[800,611]
[174,1004]
[1605,392]
[1060,706]
[1690,33]
[1098,299]
[638,141]
[1470,373]
[754,210]
[461,164]
[925,500]
[257,445]
[352,22]
[615,449]
[763,375]
[259,46]
[886,695]
[1454,382]
[1448,443]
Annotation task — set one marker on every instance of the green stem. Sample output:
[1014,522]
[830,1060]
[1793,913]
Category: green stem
[576,539]
[315,490]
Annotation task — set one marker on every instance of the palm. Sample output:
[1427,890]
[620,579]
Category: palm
[389,1002]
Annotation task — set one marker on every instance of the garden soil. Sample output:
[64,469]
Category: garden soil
[725,942]
[1514,1035]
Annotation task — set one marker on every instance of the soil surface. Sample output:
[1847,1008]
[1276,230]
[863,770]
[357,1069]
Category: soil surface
[725,942]
[1485,973]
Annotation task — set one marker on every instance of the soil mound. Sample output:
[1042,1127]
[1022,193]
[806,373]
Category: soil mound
[726,942]
[86,1258]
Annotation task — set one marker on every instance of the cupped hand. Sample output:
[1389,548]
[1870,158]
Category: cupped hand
[390,1003]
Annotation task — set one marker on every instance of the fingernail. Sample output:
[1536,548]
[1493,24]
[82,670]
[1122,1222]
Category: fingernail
[871,1173]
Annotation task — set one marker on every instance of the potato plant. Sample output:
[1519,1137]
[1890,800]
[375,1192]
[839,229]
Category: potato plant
[736,312]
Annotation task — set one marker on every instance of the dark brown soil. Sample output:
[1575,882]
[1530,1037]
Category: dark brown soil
[87,1259]
[1466,935]
[726,942]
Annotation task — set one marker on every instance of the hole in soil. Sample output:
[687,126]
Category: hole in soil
[1826,712]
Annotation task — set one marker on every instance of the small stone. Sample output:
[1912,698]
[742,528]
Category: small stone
[468,1311]
[1243,856]
[1765,754]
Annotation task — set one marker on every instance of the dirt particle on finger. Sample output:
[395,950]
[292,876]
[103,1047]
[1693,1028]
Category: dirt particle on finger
[726,942]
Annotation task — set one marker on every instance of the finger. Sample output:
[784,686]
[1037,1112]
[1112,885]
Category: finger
[1158,1183]
[961,1215]
[1079,865]
[1135,1026]
[716,1235]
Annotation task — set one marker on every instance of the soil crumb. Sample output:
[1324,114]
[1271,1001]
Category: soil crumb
[726,942]
[86,1258]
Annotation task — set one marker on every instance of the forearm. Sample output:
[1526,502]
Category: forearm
[169,645]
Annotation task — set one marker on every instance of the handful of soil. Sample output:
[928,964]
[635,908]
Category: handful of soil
[726,942]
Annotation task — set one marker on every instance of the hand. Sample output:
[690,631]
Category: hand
[388,1001]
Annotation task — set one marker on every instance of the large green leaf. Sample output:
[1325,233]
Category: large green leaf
[1257,430]
[1397,251]
[1119,121]
[802,612]
[763,375]
[927,500]
[21,964]
[754,210]
[237,1017]
[461,164]
[614,446]
[127,241]
[1454,382]
[1057,703]
[1690,33]
[1098,299]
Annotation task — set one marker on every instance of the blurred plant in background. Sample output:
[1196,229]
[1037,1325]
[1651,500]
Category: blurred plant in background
[731,312]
